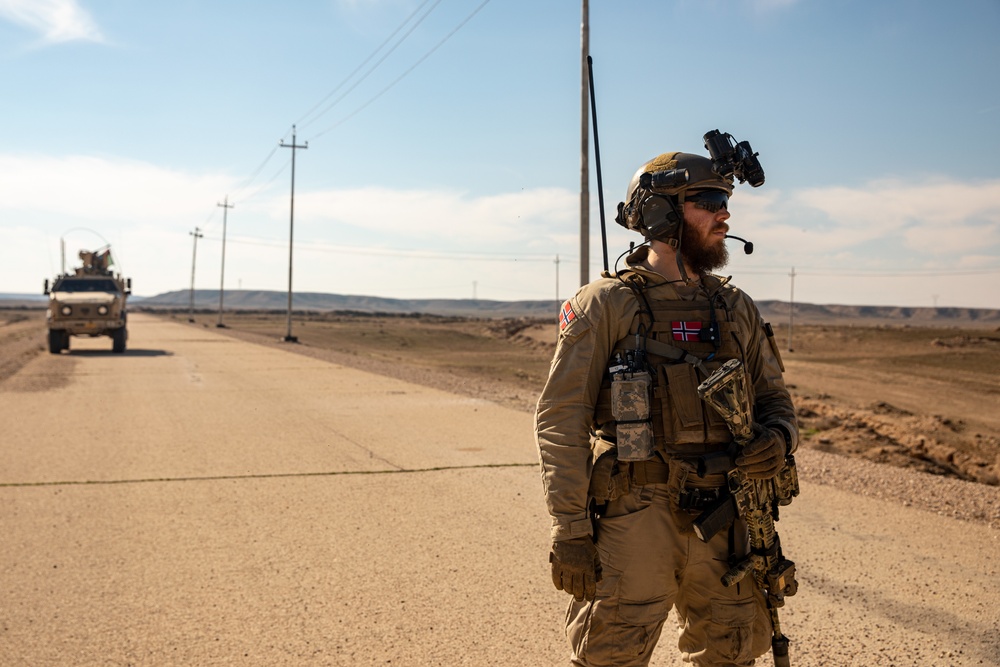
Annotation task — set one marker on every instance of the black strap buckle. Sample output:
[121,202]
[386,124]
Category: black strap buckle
[698,499]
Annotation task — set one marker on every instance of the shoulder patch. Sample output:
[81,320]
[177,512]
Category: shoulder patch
[566,315]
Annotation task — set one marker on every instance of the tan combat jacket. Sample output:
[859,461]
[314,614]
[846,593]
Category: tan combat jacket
[573,412]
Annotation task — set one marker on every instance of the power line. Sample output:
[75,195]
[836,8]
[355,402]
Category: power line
[319,246]
[256,172]
[315,246]
[273,178]
[365,62]
[867,273]
[249,180]
[900,273]
[404,74]
[246,183]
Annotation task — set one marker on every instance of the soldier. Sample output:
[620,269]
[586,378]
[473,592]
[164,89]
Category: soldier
[620,425]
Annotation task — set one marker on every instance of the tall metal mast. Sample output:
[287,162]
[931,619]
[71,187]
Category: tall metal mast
[584,152]
[194,257]
[222,281]
[289,338]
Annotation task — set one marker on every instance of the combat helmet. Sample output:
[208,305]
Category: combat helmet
[655,198]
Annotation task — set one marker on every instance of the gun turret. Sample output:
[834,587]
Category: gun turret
[95,262]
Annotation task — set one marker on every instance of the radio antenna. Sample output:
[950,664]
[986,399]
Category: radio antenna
[597,158]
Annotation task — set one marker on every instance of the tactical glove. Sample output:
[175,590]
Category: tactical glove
[763,456]
[576,567]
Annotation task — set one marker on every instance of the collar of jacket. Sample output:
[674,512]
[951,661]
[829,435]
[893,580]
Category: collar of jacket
[645,278]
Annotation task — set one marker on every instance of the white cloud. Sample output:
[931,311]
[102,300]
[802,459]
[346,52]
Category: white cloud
[932,216]
[908,223]
[953,240]
[429,215]
[422,243]
[106,189]
[56,20]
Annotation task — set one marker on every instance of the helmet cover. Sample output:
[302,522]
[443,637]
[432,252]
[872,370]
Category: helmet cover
[656,213]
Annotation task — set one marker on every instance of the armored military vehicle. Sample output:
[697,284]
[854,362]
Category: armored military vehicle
[88,302]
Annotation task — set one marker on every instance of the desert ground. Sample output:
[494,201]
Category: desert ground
[193,530]
[923,398]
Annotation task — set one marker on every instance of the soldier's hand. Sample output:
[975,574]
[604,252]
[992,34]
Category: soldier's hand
[576,567]
[763,456]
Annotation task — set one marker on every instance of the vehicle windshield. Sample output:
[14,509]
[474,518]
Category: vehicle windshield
[85,285]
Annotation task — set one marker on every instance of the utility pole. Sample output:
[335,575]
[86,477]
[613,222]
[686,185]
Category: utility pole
[289,338]
[222,281]
[194,257]
[791,310]
[584,139]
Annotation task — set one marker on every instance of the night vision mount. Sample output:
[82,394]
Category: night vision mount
[664,182]
[730,158]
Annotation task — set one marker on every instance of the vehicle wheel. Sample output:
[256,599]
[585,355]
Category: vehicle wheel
[118,338]
[56,341]
[65,340]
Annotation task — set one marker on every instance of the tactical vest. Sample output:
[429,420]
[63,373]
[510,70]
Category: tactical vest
[683,424]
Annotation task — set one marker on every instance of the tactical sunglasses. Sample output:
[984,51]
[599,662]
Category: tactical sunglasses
[710,200]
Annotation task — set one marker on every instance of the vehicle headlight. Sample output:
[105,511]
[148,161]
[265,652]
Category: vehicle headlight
[66,310]
[102,310]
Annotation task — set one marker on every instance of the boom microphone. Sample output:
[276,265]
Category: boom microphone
[747,245]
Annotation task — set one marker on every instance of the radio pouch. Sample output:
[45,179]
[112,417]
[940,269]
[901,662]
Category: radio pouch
[630,398]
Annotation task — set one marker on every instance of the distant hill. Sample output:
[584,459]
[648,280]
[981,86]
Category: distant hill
[321,302]
[775,312]
[7,299]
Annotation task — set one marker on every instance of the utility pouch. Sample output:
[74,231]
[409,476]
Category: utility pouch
[630,397]
[608,480]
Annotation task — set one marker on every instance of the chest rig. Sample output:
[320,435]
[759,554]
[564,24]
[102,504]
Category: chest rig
[679,343]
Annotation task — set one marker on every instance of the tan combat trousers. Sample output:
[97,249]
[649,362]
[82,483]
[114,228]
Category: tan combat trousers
[652,561]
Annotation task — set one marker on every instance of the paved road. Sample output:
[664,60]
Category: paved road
[205,501]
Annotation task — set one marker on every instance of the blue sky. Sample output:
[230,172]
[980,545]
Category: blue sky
[446,163]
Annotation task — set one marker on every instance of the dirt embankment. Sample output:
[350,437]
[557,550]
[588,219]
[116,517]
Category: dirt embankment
[22,337]
[883,433]
[855,422]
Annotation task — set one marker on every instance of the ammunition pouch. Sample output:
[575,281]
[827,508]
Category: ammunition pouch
[650,472]
[609,478]
[715,516]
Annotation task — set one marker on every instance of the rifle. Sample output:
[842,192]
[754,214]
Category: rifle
[756,501]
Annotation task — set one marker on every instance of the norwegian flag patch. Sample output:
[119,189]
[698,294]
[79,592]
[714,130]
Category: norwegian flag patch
[566,315]
[686,331]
